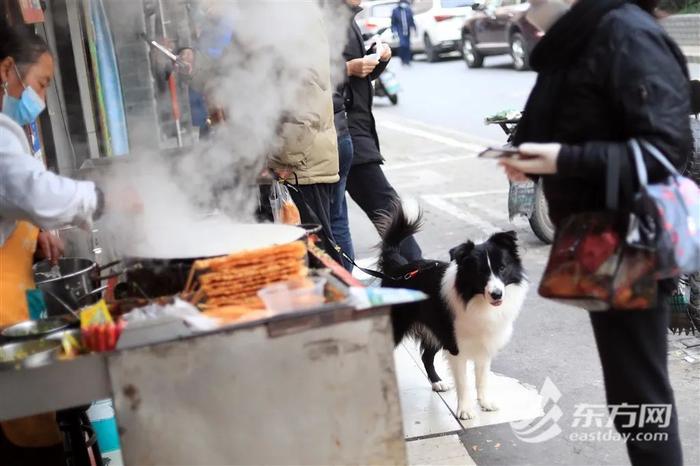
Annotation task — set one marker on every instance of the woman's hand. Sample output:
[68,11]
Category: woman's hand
[386,53]
[538,159]
[49,247]
[361,67]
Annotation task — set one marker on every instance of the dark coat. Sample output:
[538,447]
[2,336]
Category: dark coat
[359,95]
[630,81]
[397,21]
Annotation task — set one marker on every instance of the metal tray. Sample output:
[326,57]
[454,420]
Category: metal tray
[30,353]
[32,329]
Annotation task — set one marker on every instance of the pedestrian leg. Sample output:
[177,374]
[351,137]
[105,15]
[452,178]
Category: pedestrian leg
[314,203]
[371,190]
[339,204]
[633,351]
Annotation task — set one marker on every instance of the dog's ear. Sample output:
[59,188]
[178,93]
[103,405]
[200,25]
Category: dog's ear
[506,239]
[460,252]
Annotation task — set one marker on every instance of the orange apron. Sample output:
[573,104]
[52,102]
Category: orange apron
[16,277]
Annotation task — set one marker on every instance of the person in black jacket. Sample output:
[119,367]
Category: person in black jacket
[367,183]
[608,72]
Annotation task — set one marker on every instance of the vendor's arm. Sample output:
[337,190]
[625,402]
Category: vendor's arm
[30,192]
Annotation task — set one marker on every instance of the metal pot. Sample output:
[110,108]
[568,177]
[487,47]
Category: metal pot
[78,284]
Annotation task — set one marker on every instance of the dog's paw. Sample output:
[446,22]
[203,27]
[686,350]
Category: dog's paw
[466,413]
[487,404]
[440,386]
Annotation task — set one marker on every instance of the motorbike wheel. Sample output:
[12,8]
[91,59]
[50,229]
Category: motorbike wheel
[393,98]
[540,222]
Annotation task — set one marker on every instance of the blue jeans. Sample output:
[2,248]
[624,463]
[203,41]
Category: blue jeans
[339,204]
[405,49]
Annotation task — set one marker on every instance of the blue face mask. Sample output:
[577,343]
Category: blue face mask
[27,108]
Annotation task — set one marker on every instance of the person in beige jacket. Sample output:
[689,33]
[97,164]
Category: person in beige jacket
[307,152]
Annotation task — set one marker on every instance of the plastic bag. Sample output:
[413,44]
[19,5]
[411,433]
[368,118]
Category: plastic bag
[521,199]
[284,210]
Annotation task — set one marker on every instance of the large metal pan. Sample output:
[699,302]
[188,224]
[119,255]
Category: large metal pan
[160,267]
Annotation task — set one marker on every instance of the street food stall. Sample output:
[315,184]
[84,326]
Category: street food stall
[307,376]
[218,342]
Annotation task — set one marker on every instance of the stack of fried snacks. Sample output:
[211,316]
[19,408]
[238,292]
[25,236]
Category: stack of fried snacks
[235,280]
[228,314]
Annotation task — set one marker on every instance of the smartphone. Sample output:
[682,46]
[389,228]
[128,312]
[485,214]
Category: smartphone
[500,153]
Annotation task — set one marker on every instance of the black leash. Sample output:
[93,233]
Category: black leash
[339,250]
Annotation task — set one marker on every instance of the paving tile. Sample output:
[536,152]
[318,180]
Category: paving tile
[516,402]
[424,412]
[446,450]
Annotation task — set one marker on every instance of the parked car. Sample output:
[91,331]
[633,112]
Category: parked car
[499,27]
[439,24]
[375,18]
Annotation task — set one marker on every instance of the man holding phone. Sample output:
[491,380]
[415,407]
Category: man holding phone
[366,183]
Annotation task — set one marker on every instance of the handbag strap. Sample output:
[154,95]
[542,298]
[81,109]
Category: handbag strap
[661,158]
[654,152]
[612,184]
[639,162]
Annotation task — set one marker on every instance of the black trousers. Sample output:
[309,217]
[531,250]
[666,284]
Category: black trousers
[371,190]
[633,351]
[314,204]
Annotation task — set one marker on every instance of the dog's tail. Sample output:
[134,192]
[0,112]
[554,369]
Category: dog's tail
[394,227]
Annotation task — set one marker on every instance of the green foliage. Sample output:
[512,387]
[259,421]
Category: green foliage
[680,6]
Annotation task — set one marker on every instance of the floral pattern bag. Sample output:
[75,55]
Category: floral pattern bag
[670,215]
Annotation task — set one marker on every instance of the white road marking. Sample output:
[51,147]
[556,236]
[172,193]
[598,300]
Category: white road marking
[448,141]
[466,194]
[428,162]
[418,179]
[439,202]
[419,124]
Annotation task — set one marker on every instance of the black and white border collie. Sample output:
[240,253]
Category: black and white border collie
[473,301]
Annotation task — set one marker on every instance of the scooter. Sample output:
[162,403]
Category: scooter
[387,85]
[525,198]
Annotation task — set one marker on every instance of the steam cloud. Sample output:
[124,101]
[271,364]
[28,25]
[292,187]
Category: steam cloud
[276,44]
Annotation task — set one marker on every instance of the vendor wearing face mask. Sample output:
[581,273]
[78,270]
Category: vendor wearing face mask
[30,198]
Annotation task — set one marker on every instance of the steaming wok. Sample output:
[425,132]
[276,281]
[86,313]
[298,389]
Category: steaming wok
[160,268]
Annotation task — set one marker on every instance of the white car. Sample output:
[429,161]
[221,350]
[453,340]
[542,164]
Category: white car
[375,18]
[438,24]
